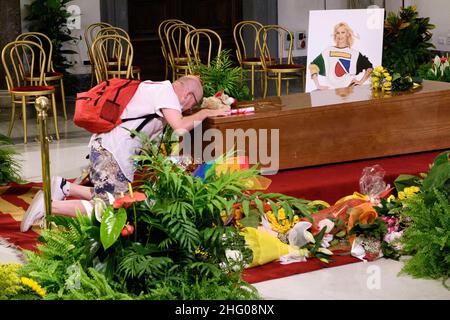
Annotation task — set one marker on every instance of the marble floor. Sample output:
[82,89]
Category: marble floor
[378,280]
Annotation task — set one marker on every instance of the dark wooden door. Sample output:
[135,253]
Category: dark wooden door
[144,17]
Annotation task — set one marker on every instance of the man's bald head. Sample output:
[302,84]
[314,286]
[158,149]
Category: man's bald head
[189,90]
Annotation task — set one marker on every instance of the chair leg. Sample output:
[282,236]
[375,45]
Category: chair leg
[261,80]
[13,115]
[93,75]
[279,85]
[303,80]
[63,98]
[24,115]
[265,86]
[253,81]
[55,117]
[287,87]
[166,74]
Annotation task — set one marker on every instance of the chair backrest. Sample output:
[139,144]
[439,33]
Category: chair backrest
[22,59]
[245,37]
[44,41]
[162,28]
[112,48]
[270,55]
[90,33]
[175,39]
[113,30]
[202,46]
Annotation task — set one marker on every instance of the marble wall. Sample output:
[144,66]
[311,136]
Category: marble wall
[9,27]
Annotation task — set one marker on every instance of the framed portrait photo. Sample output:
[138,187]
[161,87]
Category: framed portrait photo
[344,47]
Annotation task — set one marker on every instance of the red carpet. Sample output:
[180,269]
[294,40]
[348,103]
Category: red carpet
[332,182]
[275,270]
[14,200]
[328,183]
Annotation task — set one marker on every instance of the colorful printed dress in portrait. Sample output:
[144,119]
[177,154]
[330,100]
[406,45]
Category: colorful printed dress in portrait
[339,66]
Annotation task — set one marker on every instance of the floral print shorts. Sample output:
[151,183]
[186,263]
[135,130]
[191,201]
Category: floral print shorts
[105,173]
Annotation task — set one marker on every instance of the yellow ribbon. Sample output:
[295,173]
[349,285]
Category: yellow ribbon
[355,195]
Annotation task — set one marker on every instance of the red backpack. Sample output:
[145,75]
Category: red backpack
[99,109]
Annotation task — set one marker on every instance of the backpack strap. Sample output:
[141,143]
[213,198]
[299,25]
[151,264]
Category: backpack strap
[147,118]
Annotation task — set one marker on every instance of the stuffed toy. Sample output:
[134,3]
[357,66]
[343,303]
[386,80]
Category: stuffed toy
[219,100]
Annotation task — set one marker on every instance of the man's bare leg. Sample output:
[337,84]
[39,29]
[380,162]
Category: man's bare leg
[81,192]
[69,207]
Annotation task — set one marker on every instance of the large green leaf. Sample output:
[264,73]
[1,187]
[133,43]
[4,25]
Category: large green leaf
[442,158]
[405,180]
[252,219]
[111,226]
[437,176]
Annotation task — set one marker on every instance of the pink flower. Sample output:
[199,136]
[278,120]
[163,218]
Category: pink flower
[391,223]
[393,236]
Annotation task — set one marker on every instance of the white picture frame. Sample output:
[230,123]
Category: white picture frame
[334,62]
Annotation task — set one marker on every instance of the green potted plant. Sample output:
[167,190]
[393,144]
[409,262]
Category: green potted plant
[406,41]
[9,165]
[222,75]
[50,17]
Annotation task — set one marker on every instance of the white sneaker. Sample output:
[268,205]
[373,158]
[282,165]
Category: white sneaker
[59,190]
[34,212]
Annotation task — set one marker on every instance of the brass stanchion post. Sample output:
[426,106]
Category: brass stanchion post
[42,105]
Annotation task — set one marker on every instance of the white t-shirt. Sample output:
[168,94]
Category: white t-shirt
[340,65]
[150,97]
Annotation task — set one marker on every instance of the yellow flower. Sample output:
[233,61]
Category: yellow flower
[163,149]
[201,252]
[282,227]
[223,215]
[281,214]
[296,219]
[379,69]
[9,281]
[389,78]
[410,191]
[391,198]
[33,285]
[377,74]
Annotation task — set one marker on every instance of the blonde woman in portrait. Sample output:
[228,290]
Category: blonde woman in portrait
[340,64]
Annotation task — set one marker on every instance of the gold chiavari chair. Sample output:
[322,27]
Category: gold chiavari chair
[245,33]
[162,28]
[135,70]
[276,68]
[176,35]
[23,59]
[89,35]
[51,76]
[202,46]
[112,48]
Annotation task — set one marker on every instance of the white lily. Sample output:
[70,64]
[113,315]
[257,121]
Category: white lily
[111,198]
[326,240]
[296,235]
[325,251]
[326,223]
[308,236]
[99,208]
